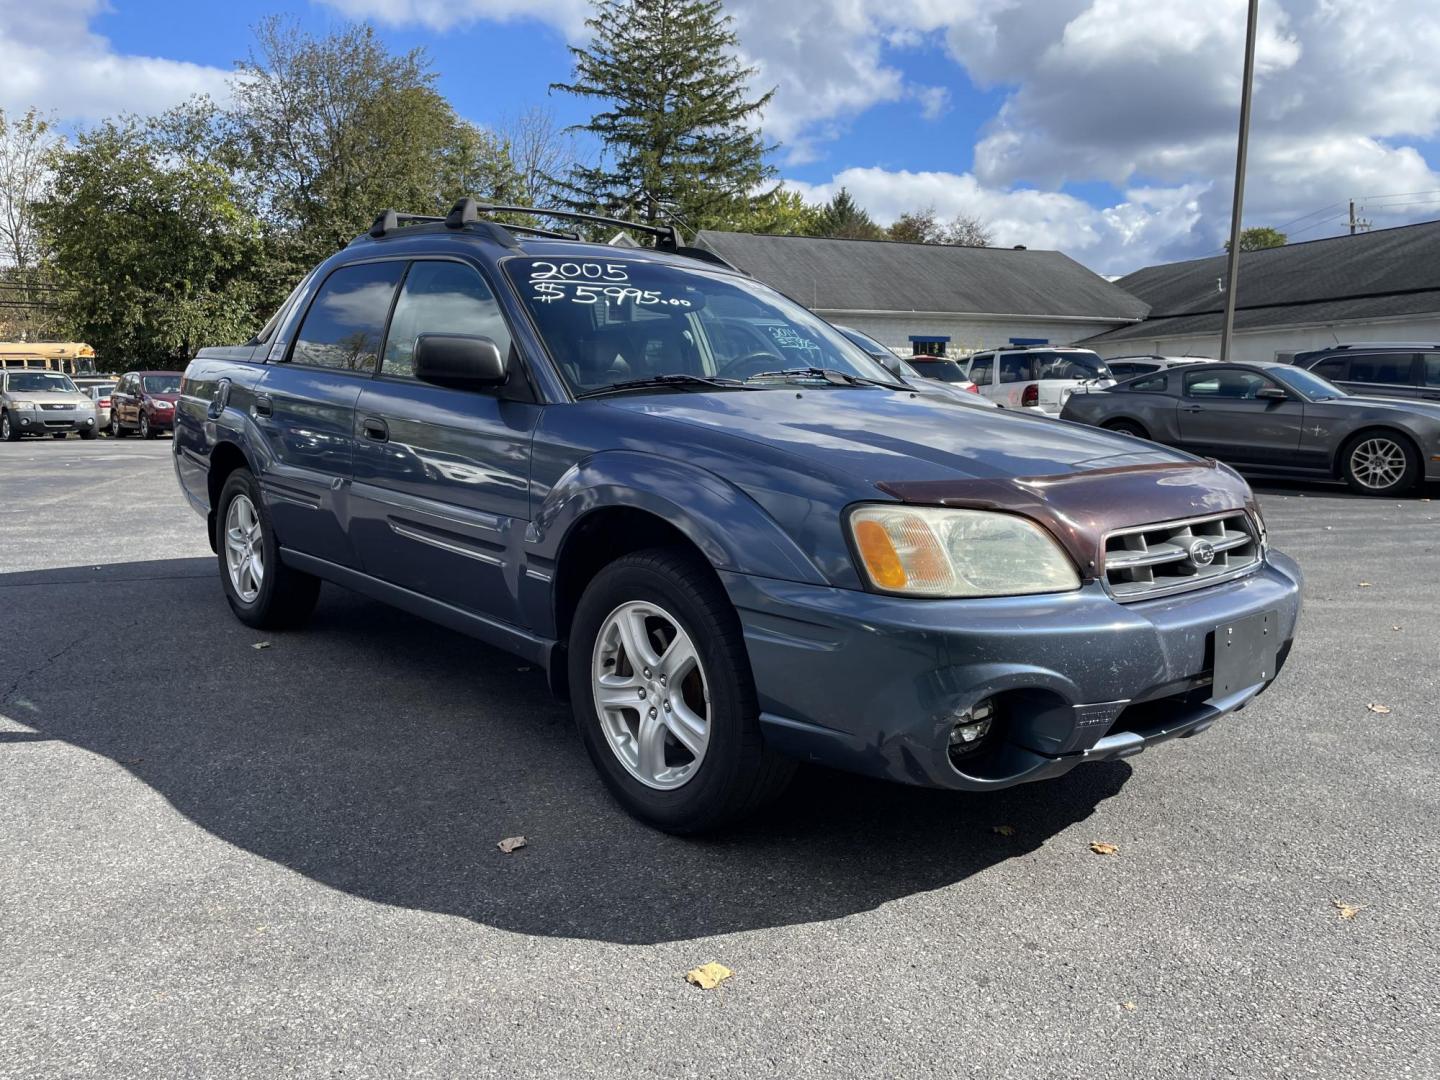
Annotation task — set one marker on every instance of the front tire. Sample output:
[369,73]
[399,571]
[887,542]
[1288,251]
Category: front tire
[9,432]
[1380,463]
[662,692]
[262,591]
[89,433]
[146,431]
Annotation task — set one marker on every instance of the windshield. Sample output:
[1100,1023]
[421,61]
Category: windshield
[46,382]
[1308,383]
[161,384]
[617,320]
[944,370]
[866,342]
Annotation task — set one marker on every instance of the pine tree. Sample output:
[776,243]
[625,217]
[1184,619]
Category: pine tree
[679,131]
[844,219]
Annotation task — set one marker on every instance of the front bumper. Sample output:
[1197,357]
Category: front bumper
[873,684]
[51,422]
[161,419]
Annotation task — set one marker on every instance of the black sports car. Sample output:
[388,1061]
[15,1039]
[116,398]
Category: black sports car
[1273,417]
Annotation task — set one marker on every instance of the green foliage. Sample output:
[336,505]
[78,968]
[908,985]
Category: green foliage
[153,250]
[1259,238]
[782,212]
[327,132]
[676,121]
[843,219]
[924,227]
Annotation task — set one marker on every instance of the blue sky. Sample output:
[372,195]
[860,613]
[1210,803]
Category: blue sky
[1103,128]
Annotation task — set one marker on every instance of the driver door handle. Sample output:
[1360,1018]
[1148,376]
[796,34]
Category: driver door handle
[375,429]
[1194,408]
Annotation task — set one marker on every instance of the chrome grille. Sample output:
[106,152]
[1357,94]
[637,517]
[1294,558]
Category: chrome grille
[1155,560]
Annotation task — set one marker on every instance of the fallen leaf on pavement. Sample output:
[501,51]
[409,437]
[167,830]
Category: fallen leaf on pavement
[1128,1006]
[1394,628]
[1366,585]
[708,976]
[1101,848]
[1375,707]
[261,645]
[512,843]
[1347,911]
[1003,830]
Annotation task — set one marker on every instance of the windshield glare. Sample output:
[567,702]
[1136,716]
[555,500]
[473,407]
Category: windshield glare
[47,382]
[161,384]
[616,320]
[1308,383]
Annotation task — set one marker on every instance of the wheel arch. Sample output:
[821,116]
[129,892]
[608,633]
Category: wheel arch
[225,458]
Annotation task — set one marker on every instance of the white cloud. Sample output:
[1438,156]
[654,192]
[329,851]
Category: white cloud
[52,61]
[566,15]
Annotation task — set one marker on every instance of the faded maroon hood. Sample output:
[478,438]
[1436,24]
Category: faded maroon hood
[1081,508]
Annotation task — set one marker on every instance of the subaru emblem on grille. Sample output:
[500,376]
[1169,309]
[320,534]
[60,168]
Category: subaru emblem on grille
[1201,552]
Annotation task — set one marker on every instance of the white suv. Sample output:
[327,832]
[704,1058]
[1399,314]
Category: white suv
[1039,378]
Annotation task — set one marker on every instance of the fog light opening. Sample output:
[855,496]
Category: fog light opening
[972,730]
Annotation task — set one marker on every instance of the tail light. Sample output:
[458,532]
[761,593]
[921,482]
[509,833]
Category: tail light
[104,402]
[973,388]
[1031,395]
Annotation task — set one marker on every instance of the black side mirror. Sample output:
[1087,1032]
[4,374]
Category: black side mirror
[1271,393]
[459,360]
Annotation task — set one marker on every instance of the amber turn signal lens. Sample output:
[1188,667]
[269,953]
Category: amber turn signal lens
[881,560]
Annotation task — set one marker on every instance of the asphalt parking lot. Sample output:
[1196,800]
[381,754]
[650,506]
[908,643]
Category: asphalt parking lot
[218,860]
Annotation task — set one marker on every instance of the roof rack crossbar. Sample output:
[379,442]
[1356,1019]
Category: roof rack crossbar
[668,235]
[390,220]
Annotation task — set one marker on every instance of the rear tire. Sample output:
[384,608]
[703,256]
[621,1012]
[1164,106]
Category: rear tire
[1380,463]
[736,773]
[1127,427]
[270,595]
[117,430]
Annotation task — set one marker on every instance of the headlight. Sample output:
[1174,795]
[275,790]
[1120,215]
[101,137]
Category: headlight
[925,551]
[162,404]
[25,406]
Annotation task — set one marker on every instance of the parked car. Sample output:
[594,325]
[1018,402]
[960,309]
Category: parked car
[39,402]
[1127,367]
[1036,378]
[726,564]
[1378,369]
[1275,417]
[99,393]
[962,392]
[144,401]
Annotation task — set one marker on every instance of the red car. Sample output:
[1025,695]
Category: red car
[144,401]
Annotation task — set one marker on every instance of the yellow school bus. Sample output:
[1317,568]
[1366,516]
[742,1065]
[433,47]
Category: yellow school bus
[71,357]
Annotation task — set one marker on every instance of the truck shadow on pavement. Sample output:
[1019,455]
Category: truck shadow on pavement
[384,756]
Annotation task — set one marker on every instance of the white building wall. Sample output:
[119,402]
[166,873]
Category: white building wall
[966,334]
[1269,344]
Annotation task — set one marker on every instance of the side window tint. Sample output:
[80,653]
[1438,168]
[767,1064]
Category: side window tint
[441,298]
[1014,367]
[1155,384]
[1229,384]
[1332,369]
[980,369]
[1432,371]
[344,325]
[1391,370]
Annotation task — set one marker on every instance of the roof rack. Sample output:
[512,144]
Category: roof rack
[469,212]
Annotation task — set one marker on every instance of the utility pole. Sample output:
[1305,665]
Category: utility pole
[1356,223]
[1232,283]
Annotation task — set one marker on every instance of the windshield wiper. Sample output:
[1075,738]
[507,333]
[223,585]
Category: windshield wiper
[672,379]
[830,375]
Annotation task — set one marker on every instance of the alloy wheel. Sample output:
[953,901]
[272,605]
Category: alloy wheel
[651,695]
[1378,463]
[244,549]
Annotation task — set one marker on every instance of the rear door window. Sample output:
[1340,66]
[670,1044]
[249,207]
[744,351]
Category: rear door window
[1333,369]
[981,368]
[1391,369]
[1014,367]
[1432,371]
[346,321]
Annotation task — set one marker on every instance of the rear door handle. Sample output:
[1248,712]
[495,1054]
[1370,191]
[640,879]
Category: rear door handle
[375,429]
[1194,408]
[264,405]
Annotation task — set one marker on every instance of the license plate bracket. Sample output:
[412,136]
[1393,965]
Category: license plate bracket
[1245,653]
